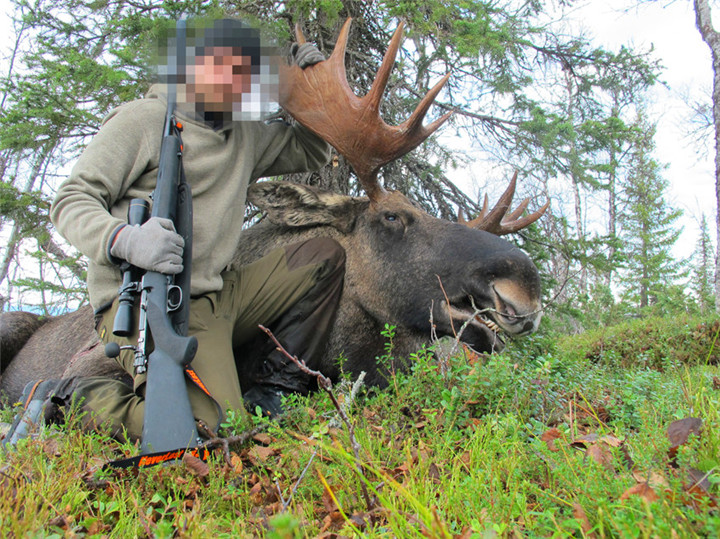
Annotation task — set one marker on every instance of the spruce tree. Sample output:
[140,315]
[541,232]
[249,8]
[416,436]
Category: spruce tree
[648,227]
[76,60]
[702,281]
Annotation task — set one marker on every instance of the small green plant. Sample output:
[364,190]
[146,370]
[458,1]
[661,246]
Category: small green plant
[537,441]
[387,360]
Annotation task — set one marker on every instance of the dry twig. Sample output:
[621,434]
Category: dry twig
[326,384]
[214,441]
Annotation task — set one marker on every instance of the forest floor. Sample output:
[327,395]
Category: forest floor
[612,433]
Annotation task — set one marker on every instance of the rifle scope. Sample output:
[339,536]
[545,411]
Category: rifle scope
[138,212]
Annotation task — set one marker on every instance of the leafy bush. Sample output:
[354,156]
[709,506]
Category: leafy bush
[656,343]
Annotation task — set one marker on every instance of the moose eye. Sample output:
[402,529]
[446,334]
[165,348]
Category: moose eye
[391,217]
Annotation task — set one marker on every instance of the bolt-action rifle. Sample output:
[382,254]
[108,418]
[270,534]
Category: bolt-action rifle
[169,423]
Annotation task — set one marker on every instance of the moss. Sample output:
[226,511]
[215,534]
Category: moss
[652,342]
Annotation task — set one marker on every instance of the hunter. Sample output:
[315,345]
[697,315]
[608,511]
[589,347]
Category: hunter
[293,290]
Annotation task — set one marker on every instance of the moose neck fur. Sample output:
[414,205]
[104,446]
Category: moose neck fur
[397,258]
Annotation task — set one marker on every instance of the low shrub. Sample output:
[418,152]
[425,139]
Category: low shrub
[656,343]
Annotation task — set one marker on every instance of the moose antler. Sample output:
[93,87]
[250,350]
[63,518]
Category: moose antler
[500,220]
[320,98]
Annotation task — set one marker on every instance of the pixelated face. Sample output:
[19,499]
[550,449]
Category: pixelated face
[219,77]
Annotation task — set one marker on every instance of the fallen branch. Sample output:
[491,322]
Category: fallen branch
[215,441]
[285,502]
[326,384]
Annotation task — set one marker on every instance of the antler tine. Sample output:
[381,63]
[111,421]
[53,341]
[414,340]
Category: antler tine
[299,36]
[511,227]
[500,220]
[337,58]
[320,98]
[374,96]
[484,210]
[492,221]
[415,121]
[517,212]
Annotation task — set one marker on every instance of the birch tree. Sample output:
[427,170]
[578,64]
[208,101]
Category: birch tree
[704,23]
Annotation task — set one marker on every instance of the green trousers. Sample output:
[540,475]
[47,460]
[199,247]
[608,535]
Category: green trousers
[293,290]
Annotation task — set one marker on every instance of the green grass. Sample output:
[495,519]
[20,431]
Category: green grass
[448,449]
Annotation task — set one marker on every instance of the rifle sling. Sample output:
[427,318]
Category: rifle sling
[161,457]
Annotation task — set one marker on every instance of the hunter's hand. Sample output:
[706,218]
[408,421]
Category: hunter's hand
[306,54]
[154,246]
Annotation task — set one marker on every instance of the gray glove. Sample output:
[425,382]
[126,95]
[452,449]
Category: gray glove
[154,246]
[306,54]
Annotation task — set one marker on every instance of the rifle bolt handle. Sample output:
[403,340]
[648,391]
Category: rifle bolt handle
[112,349]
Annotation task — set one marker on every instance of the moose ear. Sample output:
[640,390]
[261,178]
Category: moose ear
[296,205]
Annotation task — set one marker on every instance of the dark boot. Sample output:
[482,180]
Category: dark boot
[39,409]
[268,398]
[302,330]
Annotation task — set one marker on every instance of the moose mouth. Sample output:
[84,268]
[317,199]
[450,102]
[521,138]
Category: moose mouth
[487,324]
[475,326]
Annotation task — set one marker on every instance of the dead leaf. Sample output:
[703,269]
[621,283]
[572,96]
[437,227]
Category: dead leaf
[679,431]
[236,463]
[262,438]
[97,527]
[594,437]
[699,499]
[549,437]
[600,454]
[697,487]
[60,521]
[51,447]
[256,493]
[197,466]
[716,383]
[8,483]
[612,441]
[260,454]
[359,520]
[580,516]
[333,519]
[643,490]
[585,439]
[698,478]
[399,471]
[434,473]
[328,497]
[654,479]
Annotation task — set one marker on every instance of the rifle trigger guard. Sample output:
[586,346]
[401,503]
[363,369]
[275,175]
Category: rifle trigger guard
[174,297]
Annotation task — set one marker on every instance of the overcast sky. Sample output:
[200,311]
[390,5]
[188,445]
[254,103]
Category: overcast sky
[668,26]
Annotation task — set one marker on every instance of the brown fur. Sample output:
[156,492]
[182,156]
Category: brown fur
[16,328]
[61,346]
[397,255]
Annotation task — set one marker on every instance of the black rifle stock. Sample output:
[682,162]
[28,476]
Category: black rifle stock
[169,422]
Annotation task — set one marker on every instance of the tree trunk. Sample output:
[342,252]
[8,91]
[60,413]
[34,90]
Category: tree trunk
[703,20]
[574,168]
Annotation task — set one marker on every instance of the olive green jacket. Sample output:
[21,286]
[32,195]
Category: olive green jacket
[121,161]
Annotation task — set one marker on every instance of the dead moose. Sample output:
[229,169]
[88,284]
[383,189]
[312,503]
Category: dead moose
[404,266]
